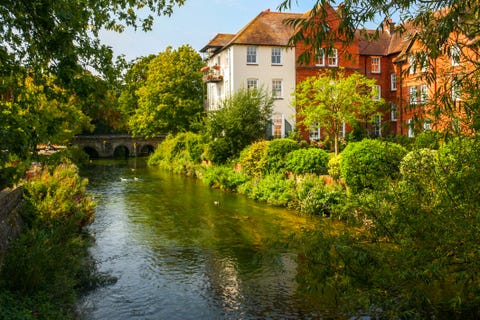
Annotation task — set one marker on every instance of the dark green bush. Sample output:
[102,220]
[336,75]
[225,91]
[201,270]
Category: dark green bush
[276,156]
[371,164]
[428,139]
[184,147]
[312,160]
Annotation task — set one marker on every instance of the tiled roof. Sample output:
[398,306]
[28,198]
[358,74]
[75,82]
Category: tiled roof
[218,42]
[268,28]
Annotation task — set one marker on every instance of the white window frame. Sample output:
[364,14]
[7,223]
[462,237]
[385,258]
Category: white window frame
[412,68]
[252,55]
[314,134]
[376,64]
[393,81]
[456,91]
[252,84]
[379,93]
[412,95]
[320,58]
[424,63]
[410,126]
[455,54]
[427,124]
[277,88]
[333,58]
[276,56]
[344,129]
[393,112]
[377,127]
[423,93]
[278,121]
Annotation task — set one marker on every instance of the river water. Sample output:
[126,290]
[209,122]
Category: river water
[180,250]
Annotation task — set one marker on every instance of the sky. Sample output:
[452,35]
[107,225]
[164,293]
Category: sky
[195,24]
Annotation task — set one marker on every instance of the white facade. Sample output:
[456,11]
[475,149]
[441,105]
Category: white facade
[276,75]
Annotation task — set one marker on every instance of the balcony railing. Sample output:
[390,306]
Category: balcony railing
[212,77]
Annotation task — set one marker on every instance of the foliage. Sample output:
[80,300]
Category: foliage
[170,100]
[62,37]
[240,120]
[418,167]
[223,177]
[316,197]
[274,189]
[252,158]
[311,160]
[428,139]
[330,100]
[334,167]
[48,263]
[134,79]
[179,153]
[276,156]
[370,164]
[58,195]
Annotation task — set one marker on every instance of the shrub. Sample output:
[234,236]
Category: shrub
[252,158]
[312,160]
[274,189]
[334,167]
[371,164]
[316,197]
[222,177]
[428,139]
[418,167]
[186,147]
[275,159]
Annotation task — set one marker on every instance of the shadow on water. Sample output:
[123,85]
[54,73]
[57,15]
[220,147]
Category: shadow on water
[181,250]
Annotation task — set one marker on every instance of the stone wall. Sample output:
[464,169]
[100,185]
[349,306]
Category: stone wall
[10,221]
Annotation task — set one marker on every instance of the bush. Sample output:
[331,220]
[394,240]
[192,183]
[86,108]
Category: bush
[312,160]
[274,189]
[316,197]
[428,139]
[224,178]
[185,148]
[418,167]
[253,158]
[275,159]
[371,164]
[334,167]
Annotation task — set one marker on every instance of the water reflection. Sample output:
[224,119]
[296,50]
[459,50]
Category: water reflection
[178,254]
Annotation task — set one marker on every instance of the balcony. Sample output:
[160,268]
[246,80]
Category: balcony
[212,74]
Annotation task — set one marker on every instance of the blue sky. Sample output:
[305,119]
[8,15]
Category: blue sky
[195,24]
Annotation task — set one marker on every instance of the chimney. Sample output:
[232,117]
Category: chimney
[267,10]
[389,26]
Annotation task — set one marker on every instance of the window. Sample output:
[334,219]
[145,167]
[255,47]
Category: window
[424,62]
[320,57]
[344,130]
[333,58]
[314,132]
[251,55]
[393,82]
[456,92]
[413,95]
[277,126]
[277,56]
[423,93]
[393,112]
[277,89]
[377,91]
[252,84]
[455,55]
[378,125]
[375,64]
[410,126]
[413,66]
[427,124]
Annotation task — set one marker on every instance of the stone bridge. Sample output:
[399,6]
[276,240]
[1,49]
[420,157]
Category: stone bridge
[116,145]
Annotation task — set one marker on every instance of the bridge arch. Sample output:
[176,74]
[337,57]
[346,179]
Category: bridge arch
[91,151]
[146,149]
[121,151]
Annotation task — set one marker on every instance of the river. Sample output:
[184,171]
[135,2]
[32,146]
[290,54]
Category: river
[180,250]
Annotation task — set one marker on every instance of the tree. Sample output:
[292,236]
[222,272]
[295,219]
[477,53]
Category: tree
[62,36]
[330,100]
[240,121]
[171,98]
[439,25]
[134,78]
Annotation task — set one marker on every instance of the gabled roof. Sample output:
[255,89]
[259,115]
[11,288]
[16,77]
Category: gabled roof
[268,28]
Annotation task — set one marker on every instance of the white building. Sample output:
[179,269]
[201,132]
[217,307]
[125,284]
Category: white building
[257,56]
